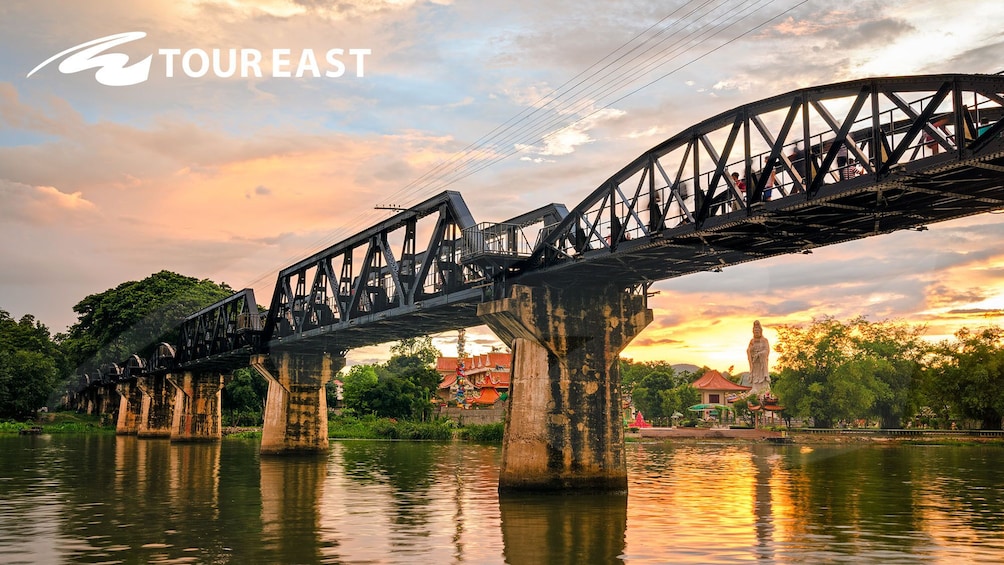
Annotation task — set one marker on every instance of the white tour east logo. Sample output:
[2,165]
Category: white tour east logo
[113,68]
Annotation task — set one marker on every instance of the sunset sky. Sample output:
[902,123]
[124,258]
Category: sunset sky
[233,178]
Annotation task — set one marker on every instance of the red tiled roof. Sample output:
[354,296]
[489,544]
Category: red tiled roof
[713,380]
[488,396]
[448,381]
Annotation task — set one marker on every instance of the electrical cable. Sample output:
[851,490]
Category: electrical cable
[441,179]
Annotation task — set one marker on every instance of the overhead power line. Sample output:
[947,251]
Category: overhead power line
[563,107]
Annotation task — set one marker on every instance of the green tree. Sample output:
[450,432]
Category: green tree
[632,372]
[679,399]
[423,380]
[134,316]
[833,371]
[898,351]
[969,375]
[27,378]
[30,364]
[400,388]
[417,348]
[355,388]
[391,397]
[647,392]
[243,398]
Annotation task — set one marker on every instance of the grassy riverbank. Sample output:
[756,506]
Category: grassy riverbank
[61,423]
[339,427]
[347,427]
[370,427]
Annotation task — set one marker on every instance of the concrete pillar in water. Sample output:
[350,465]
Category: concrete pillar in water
[197,414]
[564,428]
[296,411]
[157,411]
[130,405]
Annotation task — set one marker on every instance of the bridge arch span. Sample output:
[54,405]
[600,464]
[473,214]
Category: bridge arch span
[807,168]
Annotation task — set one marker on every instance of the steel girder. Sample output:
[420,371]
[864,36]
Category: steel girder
[343,296]
[220,336]
[839,162]
[923,149]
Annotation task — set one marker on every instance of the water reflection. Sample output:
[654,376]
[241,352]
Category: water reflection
[291,490]
[89,499]
[563,529]
[414,501]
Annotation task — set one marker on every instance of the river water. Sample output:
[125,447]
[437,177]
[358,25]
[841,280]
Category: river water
[108,499]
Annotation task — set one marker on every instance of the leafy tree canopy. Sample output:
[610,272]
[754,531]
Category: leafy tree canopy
[833,371]
[30,364]
[968,376]
[135,315]
[400,388]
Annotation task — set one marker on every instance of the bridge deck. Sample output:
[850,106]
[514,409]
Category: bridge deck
[942,189]
[843,162]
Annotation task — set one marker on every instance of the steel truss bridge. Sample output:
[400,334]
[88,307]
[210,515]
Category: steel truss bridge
[815,167]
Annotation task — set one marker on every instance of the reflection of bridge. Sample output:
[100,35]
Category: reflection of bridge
[566,288]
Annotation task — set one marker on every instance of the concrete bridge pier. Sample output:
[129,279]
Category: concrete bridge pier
[564,429]
[130,406]
[296,411]
[197,400]
[107,403]
[157,410]
[89,402]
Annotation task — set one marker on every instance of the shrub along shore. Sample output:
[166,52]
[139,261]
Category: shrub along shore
[371,427]
[339,427]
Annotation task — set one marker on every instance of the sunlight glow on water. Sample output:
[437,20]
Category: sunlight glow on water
[106,499]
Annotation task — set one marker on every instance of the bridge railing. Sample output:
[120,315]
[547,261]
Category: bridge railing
[794,146]
[228,326]
[503,243]
[394,267]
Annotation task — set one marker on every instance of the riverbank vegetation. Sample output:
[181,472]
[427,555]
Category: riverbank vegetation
[857,373]
[59,423]
[372,427]
[829,373]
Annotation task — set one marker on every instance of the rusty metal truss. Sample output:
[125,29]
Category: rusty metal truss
[811,167]
[218,335]
[399,278]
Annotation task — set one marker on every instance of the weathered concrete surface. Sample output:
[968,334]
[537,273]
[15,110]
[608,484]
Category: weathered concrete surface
[130,406]
[296,410]
[107,401]
[197,399]
[157,410]
[564,429]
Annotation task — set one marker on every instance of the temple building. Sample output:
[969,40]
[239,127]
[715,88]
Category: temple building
[716,389]
[482,380]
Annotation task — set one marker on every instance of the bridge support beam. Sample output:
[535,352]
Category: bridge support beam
[107,403]
[130,405]
[157,412]
[197,414]
[564,427]
[90,400]
[296,411]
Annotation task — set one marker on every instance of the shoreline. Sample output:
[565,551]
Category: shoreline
[818,436]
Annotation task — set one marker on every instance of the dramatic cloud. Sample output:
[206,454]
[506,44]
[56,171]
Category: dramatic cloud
[41,205]
[515,104]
